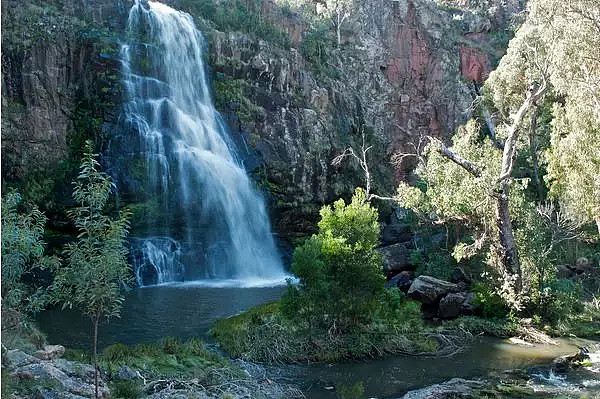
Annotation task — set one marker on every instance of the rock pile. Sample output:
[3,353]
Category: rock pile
[58,378]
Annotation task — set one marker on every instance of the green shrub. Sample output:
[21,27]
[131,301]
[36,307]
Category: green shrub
[127,389]
[558,300]
[172,346]
[196,347]
[116,353]
[438,264]
[489,301]
[23,249]
[341,283]
[354,391]
[239,15]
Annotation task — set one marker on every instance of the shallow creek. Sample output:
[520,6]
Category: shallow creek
[188,310]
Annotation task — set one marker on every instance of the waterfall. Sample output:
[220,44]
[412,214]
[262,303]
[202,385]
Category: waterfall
[213,224]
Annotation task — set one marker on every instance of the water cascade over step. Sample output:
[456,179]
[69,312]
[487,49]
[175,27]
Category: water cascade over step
[208,220]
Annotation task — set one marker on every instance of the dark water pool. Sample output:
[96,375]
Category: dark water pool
[394,376]
[152,313]
[187,311]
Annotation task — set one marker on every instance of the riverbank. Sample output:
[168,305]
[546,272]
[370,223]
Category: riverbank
[173,368]
[170,368]
[262,334]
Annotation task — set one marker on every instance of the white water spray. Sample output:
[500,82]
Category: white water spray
[193,171]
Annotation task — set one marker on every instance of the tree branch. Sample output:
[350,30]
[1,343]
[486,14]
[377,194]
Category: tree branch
[467,165]
[508,155]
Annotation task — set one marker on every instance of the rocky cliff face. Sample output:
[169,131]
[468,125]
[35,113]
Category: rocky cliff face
[54,59]
[405,69]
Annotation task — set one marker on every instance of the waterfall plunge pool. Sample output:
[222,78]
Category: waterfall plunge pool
[187,310]
[183,310]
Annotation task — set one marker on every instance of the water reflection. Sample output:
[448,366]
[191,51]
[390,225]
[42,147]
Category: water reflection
[152,313]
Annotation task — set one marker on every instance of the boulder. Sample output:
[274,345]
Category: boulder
[561,364]
[15,358]
[397,230]
[402,280]
[583,266]
[68,379]
[56,394]
[468,306]
[454,388]
[396,258]
[126,373]
[451,305]
[51,352]
[393,282]
[405,280]
[429,289]
[459,275]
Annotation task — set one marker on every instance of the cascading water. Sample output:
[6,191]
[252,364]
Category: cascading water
[195,181]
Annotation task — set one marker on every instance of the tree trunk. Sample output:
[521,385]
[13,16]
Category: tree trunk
[509,254]
[338,29]
[598,223]
[96,320]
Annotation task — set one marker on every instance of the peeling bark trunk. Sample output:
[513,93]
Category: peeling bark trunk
[338,29]
[509,254]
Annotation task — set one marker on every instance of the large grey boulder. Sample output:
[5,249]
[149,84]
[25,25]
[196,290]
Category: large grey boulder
[71,379]
[15,358]
[397,230]
[583,266]
[126,373]
[454,388]
[468,306]
[396,258]
[451,305]
[56,394]
[429,290]
[50,352]
[402,281]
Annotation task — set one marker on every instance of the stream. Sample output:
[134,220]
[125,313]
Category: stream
[188,310]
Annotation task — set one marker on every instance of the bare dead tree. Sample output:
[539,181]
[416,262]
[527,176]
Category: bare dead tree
[361,158]
[417,151]
[562,227]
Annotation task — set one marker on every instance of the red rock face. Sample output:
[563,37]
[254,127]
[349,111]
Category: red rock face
[413,70]
[474,63]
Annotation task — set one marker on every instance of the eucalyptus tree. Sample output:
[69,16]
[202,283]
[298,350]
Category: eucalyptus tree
[96,262]
[338,11]
[552,67]
[573,158]
[23,249]
[481,188]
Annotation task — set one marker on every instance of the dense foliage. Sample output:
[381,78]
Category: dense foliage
[339,269]
[544,128]
[96,263]
[23,249]
[339,308]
